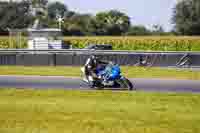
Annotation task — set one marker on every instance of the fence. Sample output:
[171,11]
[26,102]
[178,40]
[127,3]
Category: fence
[78,57]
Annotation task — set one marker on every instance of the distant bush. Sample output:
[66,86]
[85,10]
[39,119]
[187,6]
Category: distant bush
[149,43]
[6,42]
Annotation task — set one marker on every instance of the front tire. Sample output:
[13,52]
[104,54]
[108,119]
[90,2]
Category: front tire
[126,84]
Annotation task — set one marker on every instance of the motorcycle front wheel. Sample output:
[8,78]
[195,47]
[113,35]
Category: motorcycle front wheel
[126,84]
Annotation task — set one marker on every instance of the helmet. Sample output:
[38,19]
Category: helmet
[94,57]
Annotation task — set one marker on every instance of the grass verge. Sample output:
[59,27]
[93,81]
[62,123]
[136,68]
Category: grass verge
[131,72]
[60,111]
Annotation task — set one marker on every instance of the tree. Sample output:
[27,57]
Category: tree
[112,23]
[78,24]
[186,17]
[158,30]
[138,30]
[10,18]
[56,8]
[38,10]
[38,3]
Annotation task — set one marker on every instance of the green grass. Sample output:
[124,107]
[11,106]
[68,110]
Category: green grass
[40,70]
[142,72]
[60,111]
[131,72]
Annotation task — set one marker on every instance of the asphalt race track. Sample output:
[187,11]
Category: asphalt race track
[48,82]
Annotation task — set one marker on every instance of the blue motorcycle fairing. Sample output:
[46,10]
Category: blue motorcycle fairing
[110,72]
[115,72]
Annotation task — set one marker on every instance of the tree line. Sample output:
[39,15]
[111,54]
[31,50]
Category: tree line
[18,15]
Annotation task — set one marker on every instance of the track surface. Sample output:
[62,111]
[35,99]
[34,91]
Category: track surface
[47,82]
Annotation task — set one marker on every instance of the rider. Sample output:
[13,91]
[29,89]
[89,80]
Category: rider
[91,65]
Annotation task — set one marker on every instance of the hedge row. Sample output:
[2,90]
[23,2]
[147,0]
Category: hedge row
[141,43]
[150,43]
[7,42]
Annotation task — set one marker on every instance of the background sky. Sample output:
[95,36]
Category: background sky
[145,12]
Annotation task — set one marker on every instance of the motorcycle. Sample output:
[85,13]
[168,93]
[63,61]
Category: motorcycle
[109,76]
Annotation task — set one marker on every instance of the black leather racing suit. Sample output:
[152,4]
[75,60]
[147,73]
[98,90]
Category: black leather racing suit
[91,66]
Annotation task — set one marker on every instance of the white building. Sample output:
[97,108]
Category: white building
[45,39]
[40,38]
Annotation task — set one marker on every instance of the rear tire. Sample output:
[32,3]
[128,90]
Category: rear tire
[96,85]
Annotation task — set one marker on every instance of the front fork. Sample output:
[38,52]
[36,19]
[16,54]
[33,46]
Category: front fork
[120,81]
